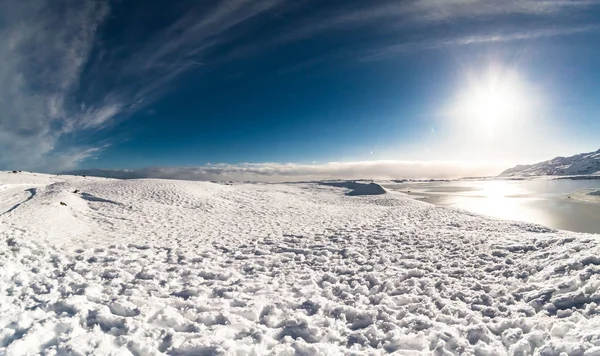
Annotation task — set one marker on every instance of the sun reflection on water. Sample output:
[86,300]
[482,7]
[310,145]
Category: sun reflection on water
[560,204]
[502,200]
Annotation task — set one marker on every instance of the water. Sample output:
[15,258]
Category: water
[560,204]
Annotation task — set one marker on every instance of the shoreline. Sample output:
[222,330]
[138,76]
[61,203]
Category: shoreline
[576,212]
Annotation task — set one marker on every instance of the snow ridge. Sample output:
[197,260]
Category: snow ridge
[150,267]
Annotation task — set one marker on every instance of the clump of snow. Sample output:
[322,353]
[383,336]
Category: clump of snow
[150,267]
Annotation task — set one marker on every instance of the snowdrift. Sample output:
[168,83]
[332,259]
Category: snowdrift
[150,267]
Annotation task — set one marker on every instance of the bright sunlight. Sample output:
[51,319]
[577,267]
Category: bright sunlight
[492,101]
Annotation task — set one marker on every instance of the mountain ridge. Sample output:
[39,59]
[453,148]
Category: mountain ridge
[580,164]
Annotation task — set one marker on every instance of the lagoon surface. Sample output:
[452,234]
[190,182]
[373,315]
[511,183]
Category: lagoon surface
[561,204]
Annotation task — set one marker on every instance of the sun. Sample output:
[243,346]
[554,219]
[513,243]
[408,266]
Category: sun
[491,101]
[491,105]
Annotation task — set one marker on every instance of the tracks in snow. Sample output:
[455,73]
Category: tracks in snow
[32,192]
[161,267]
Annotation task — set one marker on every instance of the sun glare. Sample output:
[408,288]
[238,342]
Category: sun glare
[491,104]
[492,101]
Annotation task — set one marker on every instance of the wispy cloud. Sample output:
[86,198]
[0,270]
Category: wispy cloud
[279,172]
[379,30]
[427,44]
[184,45]
[425,13]
[43,50]
[58,79]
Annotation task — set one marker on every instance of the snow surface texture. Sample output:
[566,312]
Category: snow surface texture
[581,164]
[150,267]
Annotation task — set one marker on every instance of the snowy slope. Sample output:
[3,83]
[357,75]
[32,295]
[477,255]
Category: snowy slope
[151,267]
[581,164]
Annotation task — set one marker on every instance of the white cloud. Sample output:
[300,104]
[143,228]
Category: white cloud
[425,13]
[385,52]
[55,80]
[99,116]
[279,172]
[60,161]
[184,45]
[43,48]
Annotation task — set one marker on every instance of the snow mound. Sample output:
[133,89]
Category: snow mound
[357,188]
[149,267]
[368,189]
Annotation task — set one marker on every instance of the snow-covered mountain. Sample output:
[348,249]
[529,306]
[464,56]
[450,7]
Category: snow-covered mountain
[581,164]
[96,266]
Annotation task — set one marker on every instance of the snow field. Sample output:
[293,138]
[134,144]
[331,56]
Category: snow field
[151,267]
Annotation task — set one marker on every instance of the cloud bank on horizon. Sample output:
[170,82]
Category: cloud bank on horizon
[63,81]
[282,172]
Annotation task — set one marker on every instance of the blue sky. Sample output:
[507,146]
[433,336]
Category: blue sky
[274,84]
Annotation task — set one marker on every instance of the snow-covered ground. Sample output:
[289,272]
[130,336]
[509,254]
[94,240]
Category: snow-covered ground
[151,267]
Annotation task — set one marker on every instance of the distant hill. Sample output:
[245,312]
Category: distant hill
[581,164]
